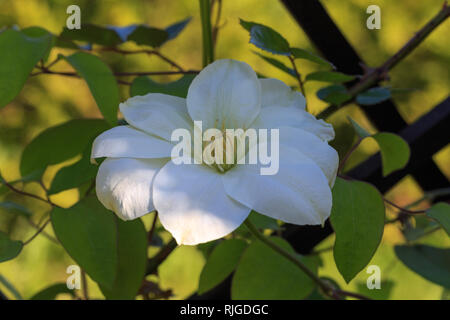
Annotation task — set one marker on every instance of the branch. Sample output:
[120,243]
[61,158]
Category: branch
[376,74]
[299,78]
[148,52]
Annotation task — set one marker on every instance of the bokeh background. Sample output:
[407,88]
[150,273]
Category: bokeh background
[48,100]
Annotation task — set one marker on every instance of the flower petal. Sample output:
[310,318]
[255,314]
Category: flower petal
[298,193]
[157,113]
[125,185]
[276,117]
[127,142]
[193,205]
[275,93]
[225,95]
[314,148]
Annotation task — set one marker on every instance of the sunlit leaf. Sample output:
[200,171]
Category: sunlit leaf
[51,292]
[58,144]
[266,38]
[143,85]
[132,255]
[429,262]
[263,273]
[441,213]
[9,249]
[357,217]
[221,263]
[101,82]
[373,96]
[88,232]
[394,151]
[329,76]
[18,55]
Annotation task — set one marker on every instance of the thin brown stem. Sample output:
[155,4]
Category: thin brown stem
[152,228]
[348,154]
[404,210]
[299,78]
[154,262]
[148,52]
[37,232]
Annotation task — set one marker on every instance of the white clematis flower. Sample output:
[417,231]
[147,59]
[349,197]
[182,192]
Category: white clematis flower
[199,203]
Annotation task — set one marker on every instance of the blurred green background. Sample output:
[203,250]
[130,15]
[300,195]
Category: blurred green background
[48,100]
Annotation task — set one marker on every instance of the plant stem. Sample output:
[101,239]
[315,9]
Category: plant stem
[154,262]
[37,232]
[208,47]
[348,154]
[376,74]
[299,78]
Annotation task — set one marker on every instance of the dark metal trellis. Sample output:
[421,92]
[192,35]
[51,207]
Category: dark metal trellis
[426,136]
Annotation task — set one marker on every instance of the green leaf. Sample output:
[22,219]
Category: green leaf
[51,292]
[10,287]
[221,263]
[143,85]
[329,76]
[92,34]
[378,294]
[360,131]
[74,175]
[9,249]
[306,55]
[101,82]
[132,254]
[266,38]
[429,262]
[334,94]
[15,208]
[58,144]
[145,35]
[373,96]
[18,55]
[357,218]
[264,274]
[278,64]
[88,232]
[394,151]
[441,213]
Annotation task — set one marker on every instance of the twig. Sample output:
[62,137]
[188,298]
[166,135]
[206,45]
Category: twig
[215,29]
[376,74]
[24,193]
[299,78]
[348,154]
[43,232]
[327,288]
[404,210]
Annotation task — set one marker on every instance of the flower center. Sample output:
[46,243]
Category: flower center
[223,149]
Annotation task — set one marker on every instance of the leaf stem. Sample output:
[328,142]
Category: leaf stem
[327,288]
[348,154]
[299,78]
[374,75]
[208,47]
